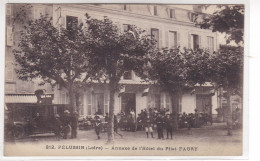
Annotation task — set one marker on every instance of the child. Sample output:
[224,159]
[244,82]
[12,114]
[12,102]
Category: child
[97,125]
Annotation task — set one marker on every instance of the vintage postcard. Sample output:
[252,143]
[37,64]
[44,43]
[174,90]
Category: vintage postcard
[123,80]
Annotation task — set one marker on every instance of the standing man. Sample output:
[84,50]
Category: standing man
[66,123]
[74,124]
[116,126]
[133,121]
[169,125]
[148,124]
[160,124]
[97,126]
[57,126]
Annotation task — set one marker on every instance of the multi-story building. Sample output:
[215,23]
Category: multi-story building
[171,26]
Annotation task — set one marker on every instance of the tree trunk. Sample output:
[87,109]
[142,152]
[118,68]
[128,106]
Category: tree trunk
[110,130]
[72,100]
[229,114]
[175,107]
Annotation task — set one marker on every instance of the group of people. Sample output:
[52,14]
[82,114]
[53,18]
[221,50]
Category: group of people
[66,123]
[157,119]
[127,121]
[98,125]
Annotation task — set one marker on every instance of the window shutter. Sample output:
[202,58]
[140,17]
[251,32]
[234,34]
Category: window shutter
[35,14]
[167,39]
[9,75]
[150,9]
[63,22]
[167,100]
[162,100]
[106,102]
[89,102]
[8,10]
[80,21]
[9,36]
[178,39]
[160,38]
[189,40]
[200,42]
[119,26]
[148,31]
[168,12]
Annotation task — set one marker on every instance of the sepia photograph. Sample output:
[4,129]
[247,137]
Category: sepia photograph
[124,79]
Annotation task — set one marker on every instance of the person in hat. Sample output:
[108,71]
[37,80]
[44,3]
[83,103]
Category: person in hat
[148,125]
[160,124]
[66,123]
[74,124]
[116,126]
[57,126]
[97,126]
[169,125]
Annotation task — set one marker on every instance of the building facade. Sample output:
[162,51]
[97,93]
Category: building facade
[171,26]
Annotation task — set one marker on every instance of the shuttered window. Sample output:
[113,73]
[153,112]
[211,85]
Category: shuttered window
[155,35]
[154,101]
[38,11]
[210,44]
[172,13]
[71,24]
[155,12]
[126,27]
[172,39]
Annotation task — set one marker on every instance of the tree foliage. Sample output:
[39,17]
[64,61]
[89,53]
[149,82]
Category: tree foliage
[175,70]
[227,69]
[49,53]
[228,19]
[113,52]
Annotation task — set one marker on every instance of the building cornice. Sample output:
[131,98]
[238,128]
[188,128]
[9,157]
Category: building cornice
[95,8]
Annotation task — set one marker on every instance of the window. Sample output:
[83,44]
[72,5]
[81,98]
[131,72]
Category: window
[155,35]
[125,7]
[155,13]
[210,42]
[63,99]
[127,75]
[126,27]
[98,104]
[9,75]
[9,36]
[192,16]
[8,9]
[172,39]
[38,11]
[9,88]
[194,42]
[154,101]
[71,24]
[172,13]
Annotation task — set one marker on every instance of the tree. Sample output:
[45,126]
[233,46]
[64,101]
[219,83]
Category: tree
[227,19]
[227,73]
[175,71]
[113,53]
[56,55]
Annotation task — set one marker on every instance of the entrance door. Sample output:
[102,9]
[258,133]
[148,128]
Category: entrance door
[128,102]
[203,103]
[98,106]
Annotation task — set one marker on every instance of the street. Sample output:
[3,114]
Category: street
[207,140]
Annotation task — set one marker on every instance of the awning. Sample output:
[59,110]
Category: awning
[22,98]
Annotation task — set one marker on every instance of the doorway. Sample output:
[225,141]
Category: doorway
[128,102]
[203,104]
